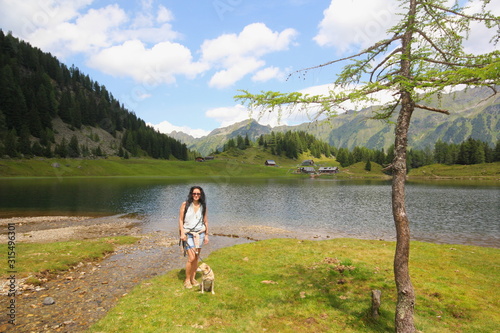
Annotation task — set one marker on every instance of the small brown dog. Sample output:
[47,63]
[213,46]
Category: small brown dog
[208,278]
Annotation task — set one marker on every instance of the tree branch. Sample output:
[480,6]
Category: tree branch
[399,49]
[429,108]
[451,64]
[438,49]
[371,48]
[470,17]
[390,167]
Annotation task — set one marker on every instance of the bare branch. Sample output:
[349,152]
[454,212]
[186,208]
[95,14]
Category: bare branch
[429,108]
[371,48]
[386,76]
[390,167]
[438,49]
[495,92]
[437,21]
[387,112]
[454,12]
[451,64]
[399,49]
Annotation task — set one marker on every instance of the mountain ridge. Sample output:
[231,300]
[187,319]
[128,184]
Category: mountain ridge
[472,114]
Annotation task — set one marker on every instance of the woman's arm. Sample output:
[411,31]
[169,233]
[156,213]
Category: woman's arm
[181,221]
[205,221]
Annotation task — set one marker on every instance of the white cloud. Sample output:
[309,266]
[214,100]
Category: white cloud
[90,32]
[240,55]
[164,15]
[151,66]
[141,44]
[228,115]
[269,73]
[225,78]
[24,18]
[68,27]
[167,128]
[348,29]
[355,24]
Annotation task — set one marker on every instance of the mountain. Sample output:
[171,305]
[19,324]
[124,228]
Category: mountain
[218,137]
[473,113]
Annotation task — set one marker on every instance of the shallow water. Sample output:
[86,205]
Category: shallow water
[444,212]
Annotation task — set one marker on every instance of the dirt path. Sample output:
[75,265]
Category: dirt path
[83,295]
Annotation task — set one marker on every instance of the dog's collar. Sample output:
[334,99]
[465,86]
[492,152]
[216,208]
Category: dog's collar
[210,271]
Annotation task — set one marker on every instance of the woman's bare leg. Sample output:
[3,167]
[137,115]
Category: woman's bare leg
[191,265]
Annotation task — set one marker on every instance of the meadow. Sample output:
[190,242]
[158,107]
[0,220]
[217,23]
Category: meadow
[290,285]
[248,163]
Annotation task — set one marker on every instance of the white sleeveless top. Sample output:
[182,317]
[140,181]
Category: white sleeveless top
[193,220]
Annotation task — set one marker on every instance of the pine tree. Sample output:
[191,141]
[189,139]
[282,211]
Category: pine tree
[24,142]
[11,144]
[61,149]
[47,152]
[73,148]
[496,157]
[37,149]
[368,166]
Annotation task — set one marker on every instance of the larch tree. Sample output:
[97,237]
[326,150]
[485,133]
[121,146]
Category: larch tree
[422,56]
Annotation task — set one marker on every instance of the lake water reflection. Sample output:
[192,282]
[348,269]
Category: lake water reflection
[439,212]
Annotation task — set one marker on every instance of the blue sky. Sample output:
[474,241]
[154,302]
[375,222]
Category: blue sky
[177,64]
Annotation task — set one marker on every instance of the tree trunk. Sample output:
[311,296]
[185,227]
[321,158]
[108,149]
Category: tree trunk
[406,295]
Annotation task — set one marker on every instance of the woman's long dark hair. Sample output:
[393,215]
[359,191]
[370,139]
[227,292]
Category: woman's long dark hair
[202,199]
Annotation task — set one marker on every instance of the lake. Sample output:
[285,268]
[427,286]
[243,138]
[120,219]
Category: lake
[439,211]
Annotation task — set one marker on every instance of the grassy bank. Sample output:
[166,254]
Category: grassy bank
[115,167]
[52,258]
[487,171]
[249,163]
[286,285]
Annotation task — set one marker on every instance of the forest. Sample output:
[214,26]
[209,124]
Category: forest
[36,89]
[292,143]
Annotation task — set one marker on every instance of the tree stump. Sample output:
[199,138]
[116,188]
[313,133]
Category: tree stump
[376,294]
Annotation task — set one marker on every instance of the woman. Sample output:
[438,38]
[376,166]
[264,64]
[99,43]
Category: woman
[193,230]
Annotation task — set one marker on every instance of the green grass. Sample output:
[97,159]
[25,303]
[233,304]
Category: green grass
[357,170]
[51,258]
[242,164]
[476,171]
[306,291]
[115,167]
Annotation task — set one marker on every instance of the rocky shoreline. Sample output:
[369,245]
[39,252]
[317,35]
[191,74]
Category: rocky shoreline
[79,297]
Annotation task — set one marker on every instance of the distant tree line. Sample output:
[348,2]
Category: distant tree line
[35,88]
[471,151]
[291,144]
[238,143]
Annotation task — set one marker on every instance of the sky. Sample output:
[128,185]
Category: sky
[177,64]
